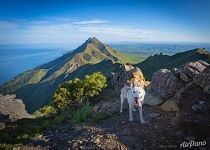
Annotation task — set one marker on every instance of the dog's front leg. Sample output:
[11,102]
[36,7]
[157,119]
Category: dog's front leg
[141,115]
[130,112]
[121,103]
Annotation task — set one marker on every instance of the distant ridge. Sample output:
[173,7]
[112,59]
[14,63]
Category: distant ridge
[159,61]
[37,85]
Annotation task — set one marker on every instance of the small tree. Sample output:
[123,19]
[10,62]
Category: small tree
[76,91]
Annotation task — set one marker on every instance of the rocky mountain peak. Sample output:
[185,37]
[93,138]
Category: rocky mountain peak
[92,40]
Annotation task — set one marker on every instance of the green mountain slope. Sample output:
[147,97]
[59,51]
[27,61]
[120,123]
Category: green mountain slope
[156,62]
[37,85]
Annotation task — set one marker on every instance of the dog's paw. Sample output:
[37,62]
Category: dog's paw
[134,109]
[142,121]
[131,120]
[121,111]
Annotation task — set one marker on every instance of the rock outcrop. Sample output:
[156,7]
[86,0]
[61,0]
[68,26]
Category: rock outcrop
[203,79]
[12,108]
[129,75]
[185,90]
[165,84]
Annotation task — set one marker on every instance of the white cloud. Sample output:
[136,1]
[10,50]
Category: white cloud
[65,30]
[91,22]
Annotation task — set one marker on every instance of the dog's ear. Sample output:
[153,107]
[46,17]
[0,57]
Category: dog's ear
[132,85]
[128,83]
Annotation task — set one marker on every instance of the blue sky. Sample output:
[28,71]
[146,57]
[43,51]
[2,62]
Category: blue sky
[73,21]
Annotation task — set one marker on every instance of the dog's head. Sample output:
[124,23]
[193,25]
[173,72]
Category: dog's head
[138,94]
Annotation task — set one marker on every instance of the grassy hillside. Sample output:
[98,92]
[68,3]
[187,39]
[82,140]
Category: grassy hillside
[135,57]
[37,85]
[156,62]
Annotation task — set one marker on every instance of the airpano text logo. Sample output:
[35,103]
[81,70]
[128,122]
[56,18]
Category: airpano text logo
[192,143]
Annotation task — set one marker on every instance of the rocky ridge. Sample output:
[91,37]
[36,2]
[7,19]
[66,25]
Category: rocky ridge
[185,90]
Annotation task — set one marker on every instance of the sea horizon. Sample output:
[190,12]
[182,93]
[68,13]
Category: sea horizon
[23,57]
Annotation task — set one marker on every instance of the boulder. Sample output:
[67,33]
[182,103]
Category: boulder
[184,77]
[170,105]
[150,99]
[193,68]
[109,106]
[186,91]
[165,84]
[12,107]
[127,75]
[203,79]
[170,85]
[189,70]
[193,104]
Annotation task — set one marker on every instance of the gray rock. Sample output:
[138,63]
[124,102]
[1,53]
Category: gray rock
[203,80]
[184,77]
[170,105]
[127,73]
[151,99]
[12,107]
[165,84]
[201,107]
[193,68]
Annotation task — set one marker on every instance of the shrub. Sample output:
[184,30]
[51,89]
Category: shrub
[94,84]
[76,91]
[70,92]
[82,114]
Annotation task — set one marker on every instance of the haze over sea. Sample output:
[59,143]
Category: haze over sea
[15,60]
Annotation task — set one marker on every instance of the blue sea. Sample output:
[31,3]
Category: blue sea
[18,58]
[15,61]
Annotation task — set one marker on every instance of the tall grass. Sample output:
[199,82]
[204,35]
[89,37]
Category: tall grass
[82,114]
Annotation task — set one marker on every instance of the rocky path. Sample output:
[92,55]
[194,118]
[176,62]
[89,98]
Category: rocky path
[159,132]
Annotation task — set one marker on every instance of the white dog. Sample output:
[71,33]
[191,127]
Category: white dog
[135,96]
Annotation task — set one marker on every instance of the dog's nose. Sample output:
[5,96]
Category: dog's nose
[136,98]
[136,101]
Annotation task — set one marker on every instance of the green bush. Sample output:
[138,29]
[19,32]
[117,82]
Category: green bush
[77,91]
[70,92]
[94,84]
[82,114]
